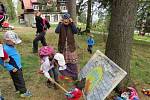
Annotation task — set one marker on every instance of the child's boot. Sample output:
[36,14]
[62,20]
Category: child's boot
[49,84]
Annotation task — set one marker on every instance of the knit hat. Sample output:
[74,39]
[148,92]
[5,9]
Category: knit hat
[10,35]
[66,16]
[46,50]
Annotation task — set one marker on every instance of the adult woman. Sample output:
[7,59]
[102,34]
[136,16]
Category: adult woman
[66,44]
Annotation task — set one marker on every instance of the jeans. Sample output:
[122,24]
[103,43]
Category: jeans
[18,81]
[40,37]
[54,73]
[90,49]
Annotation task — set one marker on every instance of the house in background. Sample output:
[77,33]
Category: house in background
[52,10]
[62,5]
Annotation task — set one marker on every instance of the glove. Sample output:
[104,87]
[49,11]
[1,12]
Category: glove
[71,89]
[69,95]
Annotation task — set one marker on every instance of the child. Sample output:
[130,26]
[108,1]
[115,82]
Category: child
[133,94]
[90,43]
[42,26]
[1,98]
[76,92]
[14,65]
[64,69]
[130,94]
[46,54]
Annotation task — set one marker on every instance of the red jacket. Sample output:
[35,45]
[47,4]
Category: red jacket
[5,55]
[77,93]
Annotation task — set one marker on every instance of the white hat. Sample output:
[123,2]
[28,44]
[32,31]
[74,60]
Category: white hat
[60,58]
[10,35]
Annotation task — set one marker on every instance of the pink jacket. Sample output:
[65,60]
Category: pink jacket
[133,94]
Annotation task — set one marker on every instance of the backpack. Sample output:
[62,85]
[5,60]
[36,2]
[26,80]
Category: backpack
[46,24]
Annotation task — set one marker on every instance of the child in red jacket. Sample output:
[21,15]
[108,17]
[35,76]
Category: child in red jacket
[75,93]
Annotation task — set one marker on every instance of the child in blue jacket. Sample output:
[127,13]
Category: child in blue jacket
[14,64]
[90,43]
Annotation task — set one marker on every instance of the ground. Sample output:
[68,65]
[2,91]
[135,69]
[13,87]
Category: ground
[35,82]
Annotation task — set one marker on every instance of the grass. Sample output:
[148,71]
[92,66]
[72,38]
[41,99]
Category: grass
[145,38]
[140,62]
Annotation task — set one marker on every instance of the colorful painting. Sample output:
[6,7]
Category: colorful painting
[102,76]
[94,76]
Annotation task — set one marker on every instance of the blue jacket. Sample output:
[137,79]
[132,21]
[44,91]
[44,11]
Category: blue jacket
[15,59]
[90,41]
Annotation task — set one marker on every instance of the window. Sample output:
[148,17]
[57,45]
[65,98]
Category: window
[48,17]
[36,7]
[63,8]
[55,18]
[43,7]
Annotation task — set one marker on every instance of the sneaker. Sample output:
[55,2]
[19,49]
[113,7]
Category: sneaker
[27,94]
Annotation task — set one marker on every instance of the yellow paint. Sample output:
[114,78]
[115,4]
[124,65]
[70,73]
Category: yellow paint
[94,76]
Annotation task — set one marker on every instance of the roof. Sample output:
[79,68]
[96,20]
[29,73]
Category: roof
[28,3]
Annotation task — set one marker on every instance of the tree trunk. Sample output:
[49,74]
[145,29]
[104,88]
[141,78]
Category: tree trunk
[89,16]
[121,31]
[72,9]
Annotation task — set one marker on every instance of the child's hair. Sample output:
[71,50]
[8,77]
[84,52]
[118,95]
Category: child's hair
[80,84]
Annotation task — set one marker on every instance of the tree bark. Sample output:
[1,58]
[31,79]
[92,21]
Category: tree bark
[89,16]
[72,9]
[121,31]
